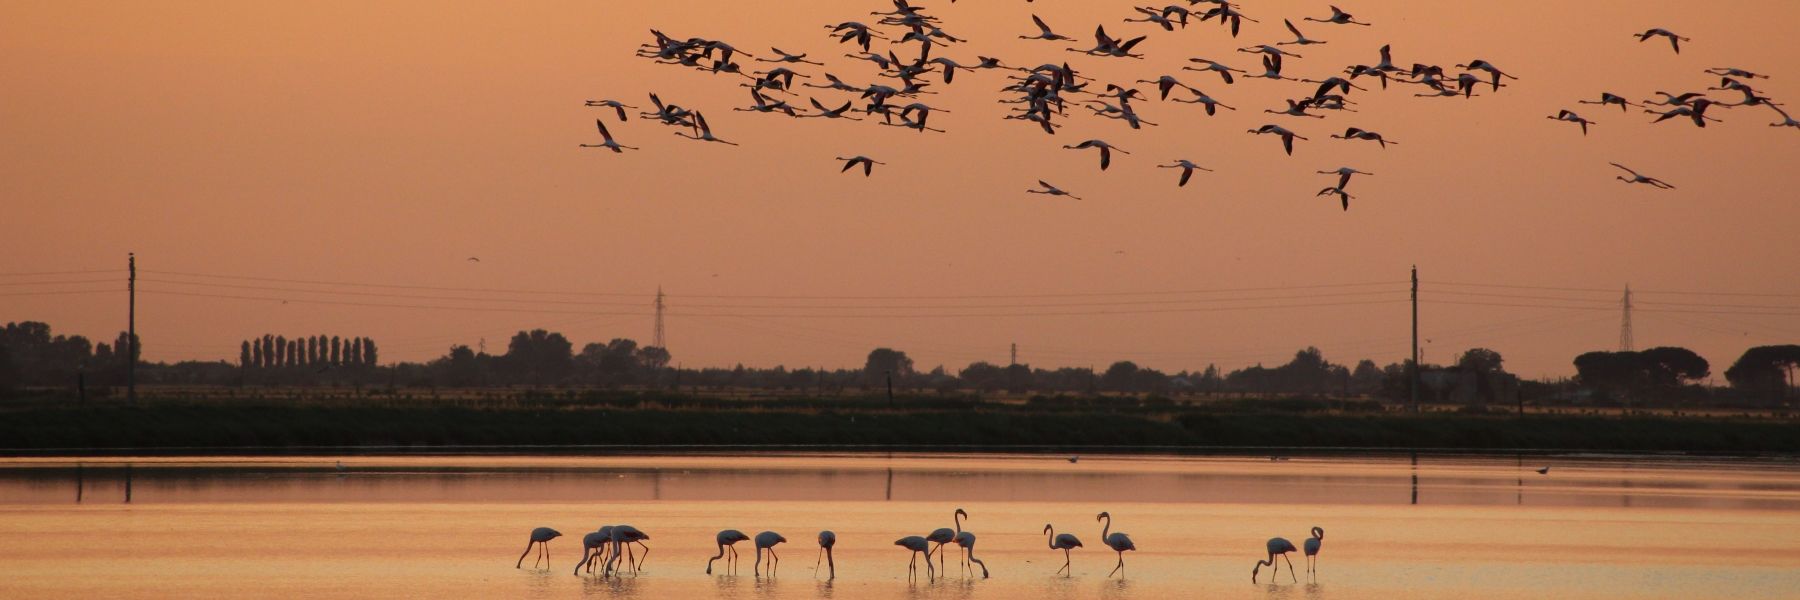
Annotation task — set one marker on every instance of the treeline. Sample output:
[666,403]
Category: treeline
[30,356]
[274,351]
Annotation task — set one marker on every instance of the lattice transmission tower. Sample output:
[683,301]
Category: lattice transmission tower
[656,338]
[1625,343]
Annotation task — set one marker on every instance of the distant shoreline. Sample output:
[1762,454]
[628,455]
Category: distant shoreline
[667,425]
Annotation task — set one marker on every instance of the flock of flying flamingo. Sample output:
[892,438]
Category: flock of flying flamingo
[1045,94]
[611,541]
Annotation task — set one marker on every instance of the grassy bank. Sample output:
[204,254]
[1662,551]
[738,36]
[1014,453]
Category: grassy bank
[651,420]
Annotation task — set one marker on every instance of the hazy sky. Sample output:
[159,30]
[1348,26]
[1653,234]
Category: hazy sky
[387,142]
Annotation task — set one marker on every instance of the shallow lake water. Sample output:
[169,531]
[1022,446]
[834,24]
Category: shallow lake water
[1397,525]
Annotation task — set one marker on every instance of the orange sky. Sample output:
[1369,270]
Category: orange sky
[387,142]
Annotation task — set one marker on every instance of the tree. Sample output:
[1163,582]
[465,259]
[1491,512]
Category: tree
[1767,368]
[337,347]
[268,350]
[1671,366]
[1120,377]
[353,356]
[1485,365]
[257,358]
[281,351]
[653,358]
[244,355]
[983,375]
[369,354]
[883,361]
[1366,378]
[540,356]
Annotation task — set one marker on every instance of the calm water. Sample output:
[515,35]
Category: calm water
[436,527]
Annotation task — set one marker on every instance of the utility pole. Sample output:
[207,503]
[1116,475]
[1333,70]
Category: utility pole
[1015,355]
[1415,339]
[131,352]
[1625,342]
[656,338]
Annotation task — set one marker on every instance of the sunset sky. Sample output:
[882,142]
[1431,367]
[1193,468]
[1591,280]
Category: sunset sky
[388,142]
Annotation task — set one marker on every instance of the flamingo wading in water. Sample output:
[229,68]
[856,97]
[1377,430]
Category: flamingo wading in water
[727,540]
[827,539]
[917,544]
[1312,549]
[767,541]
[1064,542]
[1276,546]
[540,537]
[1119,542]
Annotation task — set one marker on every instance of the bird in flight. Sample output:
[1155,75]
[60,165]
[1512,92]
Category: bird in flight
[1106,151]
[1344,174]
[1051,190]
[613,104]
[868,164]
[1570,116]
[1609,98]
[1287,137]
[1344,197]
[610,143]
[1674,40]
[1300,39]
[702,132]
[474,259]
[1187,170]
[1044,32]
[1338,17]
[1355,133]
[1641,178]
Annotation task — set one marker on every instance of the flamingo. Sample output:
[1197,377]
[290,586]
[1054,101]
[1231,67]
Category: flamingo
[540,537]
[1212,105]
[1570,116]
[945,535]
[1674,40]
[727,540]
[1637,178]
[1044,32]
[917,544]
[1355,133]
[827,539]
[1287,137]
[1064,542]
[1609,98]
[1119,542]
[1158,17]
[967,541]
[703,132]
[1786,121]
[1106,151]
[1187,172]
[1735,72]
[868,165]
[1483,65]
[1345,197]
[1214,66]
[1052,191]
[1295,109]
[1276,546]
[613,104]
[1344,174]
[1312,549]
[626,535]
[1166,83]
[610,143]
[593,545]
[1337,17]
[1669,99]
[786,57]
[767,541]
[1695,111]
[1300,39]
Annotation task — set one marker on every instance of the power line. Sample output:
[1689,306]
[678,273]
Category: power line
[1607,291]
[784,297]
[47,273]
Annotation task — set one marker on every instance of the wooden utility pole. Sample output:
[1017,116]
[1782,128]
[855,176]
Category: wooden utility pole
[1415,339]
[131,350]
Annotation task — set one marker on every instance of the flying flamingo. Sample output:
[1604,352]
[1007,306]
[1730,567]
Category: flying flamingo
[1570,116]
[1287,137]
[827,539]
[1052,191]
[1674,40]
[1106,151]
[917,544]
[1344,174]
[1609,98]
[1312,549]
[1337,17]
[727,540]
[1355,133]
[1637,178]
[1064,542]
[1119,542]
[702,132]
[1276,546]
[610,143]
[1187,171]
[767,541]
[540,537]
[868,164]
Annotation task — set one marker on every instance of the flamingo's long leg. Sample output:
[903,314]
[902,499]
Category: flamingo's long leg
[521,562]
[1121,565]
[1290,563]
[646,557]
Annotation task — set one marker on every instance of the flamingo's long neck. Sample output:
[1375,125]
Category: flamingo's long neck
[1106,528]
[958,518]
[1050,537]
